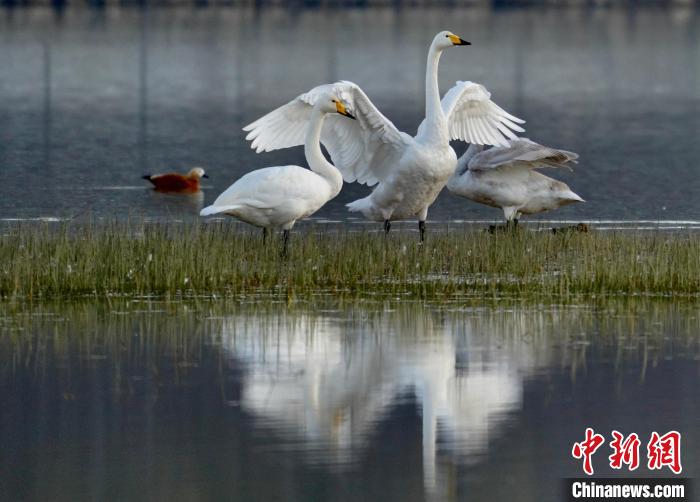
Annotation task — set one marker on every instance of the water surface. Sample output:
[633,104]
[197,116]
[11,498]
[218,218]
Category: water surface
[92,99]
[361,401]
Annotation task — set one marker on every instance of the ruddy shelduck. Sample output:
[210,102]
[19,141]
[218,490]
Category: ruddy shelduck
[172,182]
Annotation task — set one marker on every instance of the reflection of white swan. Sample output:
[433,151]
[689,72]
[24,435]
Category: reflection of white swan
[409,172]
[304,376]
[506,177]
[464,407]
[329,383]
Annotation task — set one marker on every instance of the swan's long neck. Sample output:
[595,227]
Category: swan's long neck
[314,155]
[435,118]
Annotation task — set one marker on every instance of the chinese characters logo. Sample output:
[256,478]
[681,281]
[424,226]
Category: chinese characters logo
[662,451]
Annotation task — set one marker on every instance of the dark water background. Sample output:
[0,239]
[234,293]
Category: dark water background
[92,99]
[144,400]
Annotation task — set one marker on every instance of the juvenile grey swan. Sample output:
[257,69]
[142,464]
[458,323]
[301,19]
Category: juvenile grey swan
[507,177]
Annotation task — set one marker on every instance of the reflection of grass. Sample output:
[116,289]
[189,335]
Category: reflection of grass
[155,345]
[79,260]
[171,339]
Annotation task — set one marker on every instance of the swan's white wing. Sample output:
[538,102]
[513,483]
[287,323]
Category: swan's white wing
[524,152]
[474,118]
[285,127]
[364,150]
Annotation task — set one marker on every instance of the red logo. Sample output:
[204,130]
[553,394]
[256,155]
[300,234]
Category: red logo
[625,452]
[662,451]
[585,449]
[665,451]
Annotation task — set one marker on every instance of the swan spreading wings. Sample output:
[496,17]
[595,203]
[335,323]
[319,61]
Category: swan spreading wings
[409,171]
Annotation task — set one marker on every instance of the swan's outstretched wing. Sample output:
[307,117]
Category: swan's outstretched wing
[524,152]
[364,150]
[286,126]
[474,118]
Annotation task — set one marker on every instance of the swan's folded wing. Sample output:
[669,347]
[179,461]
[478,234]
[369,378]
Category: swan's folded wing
[522,151]
[474,118]
[364,150]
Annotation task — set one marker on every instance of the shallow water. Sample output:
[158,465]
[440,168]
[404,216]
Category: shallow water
[92,99]
[467,400]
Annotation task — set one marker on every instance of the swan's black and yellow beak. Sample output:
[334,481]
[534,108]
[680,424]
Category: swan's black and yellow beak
[458,41]
[205,176]
[340,107]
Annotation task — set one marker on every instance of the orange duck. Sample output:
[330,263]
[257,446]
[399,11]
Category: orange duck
[171,182]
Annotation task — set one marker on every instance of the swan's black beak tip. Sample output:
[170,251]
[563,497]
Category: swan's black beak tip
[349,115]
[205,176]
[464,42]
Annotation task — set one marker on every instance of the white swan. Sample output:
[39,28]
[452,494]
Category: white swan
[505,177]
[276,197]
[410,172]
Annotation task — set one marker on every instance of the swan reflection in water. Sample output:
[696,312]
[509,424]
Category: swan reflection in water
[326,383]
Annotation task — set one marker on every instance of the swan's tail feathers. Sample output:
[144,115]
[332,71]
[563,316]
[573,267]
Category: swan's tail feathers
[210,210]
[359,205]
[369,210]
[572,197]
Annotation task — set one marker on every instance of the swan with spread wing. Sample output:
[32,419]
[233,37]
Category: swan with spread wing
[408,172]
[276,197]
[507,177]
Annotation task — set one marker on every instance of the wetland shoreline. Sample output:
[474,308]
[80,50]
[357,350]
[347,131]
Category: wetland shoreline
[218,259]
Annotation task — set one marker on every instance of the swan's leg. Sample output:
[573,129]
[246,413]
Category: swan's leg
[285,243]
[387,226]
[516,218]
[422,216]
[510,213]
[264,235]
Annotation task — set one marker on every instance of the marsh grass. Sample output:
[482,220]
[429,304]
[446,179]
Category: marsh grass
[222,259]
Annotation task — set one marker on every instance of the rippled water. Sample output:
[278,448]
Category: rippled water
[331,401]
[91,100]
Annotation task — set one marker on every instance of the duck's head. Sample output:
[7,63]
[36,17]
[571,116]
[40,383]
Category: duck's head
[331,103]
[446,39]
[197,172]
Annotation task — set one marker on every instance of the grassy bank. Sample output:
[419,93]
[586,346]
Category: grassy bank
[219,259]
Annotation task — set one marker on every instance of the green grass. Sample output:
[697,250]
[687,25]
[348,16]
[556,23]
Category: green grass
[222,259]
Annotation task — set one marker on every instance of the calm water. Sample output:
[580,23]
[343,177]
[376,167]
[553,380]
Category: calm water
[91,100]
[363,401]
